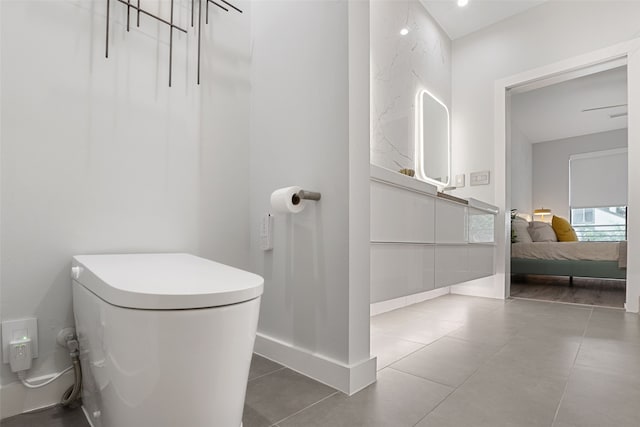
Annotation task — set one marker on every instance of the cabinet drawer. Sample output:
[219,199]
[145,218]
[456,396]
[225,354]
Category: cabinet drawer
[451,222]
[399,215]
[399,270]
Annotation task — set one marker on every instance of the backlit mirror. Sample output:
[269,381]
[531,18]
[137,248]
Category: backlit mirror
[432,139]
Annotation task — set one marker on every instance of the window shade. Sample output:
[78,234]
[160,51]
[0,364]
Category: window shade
[598,179]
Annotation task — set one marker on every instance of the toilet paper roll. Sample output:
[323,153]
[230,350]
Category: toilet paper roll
[286,200]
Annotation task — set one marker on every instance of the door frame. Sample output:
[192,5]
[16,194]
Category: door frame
[623,53]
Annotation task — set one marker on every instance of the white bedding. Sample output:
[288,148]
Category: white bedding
[592,251]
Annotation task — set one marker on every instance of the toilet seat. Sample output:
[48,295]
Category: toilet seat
[170,281]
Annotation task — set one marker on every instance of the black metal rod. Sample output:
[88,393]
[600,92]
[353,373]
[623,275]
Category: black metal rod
[217,4]
[199,34]
[230,5]
[192,7]
[106,47]
[171,43]
[138,19]
[206,13]
[154,17]
[128,13]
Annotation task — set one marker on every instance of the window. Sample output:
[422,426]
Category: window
[600,224]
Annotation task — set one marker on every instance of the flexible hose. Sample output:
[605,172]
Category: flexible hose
[28,384]
[71,394]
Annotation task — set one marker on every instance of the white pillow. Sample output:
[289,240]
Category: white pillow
[520,227]
[542,232]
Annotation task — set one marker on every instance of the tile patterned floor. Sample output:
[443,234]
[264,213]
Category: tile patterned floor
[461,361]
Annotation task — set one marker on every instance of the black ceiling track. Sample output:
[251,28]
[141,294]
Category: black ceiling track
[226,6]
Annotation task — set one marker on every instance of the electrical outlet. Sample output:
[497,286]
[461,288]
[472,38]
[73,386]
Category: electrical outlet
[18,330]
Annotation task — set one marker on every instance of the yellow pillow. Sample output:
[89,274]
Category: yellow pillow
[563,229]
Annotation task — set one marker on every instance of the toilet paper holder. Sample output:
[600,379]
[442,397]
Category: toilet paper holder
[304,195]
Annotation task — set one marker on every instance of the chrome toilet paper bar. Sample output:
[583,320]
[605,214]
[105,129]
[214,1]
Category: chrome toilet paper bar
[304,195]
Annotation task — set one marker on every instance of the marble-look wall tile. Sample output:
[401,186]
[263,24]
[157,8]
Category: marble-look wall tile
[400,66]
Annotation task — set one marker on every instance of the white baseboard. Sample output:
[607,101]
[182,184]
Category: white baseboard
[349,379]
[16,398]
[487,287]
[394,304]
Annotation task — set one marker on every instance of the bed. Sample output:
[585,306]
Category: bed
[606,260]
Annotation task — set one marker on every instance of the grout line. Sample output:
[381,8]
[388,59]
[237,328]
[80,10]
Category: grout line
[268,373]
[423,378]
[566,384]
[590,306]
[304,409]
[463,382]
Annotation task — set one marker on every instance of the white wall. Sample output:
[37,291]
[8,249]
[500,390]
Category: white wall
[400,66]
[545,34]
[522,174]
[551,166]
[99,155]
[300,135]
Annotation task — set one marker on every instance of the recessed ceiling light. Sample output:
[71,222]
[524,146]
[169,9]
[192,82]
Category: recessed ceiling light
[463,3]
[404,31]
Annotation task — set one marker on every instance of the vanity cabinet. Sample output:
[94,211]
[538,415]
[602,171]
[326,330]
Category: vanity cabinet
[421,241]
[399,270]
[401,215]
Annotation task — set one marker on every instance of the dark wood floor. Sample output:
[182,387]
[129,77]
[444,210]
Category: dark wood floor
[602,292]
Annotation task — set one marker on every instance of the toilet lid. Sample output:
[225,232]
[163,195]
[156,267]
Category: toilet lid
[164,281]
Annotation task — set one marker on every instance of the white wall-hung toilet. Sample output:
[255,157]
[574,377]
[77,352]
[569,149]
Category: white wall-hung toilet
[165,339]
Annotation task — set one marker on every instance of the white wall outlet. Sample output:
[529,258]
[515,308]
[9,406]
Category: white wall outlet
[16,330]
[266,233]
[459,182]
[479,178]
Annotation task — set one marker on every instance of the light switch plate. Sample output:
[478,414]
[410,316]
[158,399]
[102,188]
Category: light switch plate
[16,329]
[459,183]
[266,233]
[479,178]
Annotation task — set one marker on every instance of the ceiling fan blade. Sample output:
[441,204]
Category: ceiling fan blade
[602,108]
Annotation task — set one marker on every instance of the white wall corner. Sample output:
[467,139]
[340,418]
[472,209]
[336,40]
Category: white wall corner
[348,379]
[16,399]
[633,204]
[359,193]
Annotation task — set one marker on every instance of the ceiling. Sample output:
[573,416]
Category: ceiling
[459,21]
[555,112]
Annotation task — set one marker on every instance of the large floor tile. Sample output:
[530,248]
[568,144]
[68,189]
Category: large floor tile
[262,366]
[492,397]
[394,319]
[611,324]
[594,399]
[551,357]
[487,332]
[390,349]
[412,325]
[614,357]
[395,400]
[280,394]
[448,361]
